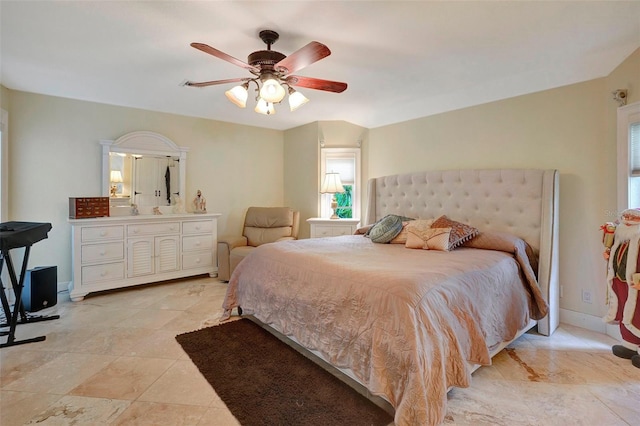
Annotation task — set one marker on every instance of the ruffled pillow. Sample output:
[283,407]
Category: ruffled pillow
[421,235]
[460,232]
[387,228]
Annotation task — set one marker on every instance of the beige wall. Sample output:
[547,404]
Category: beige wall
[301,172]
[569,128]
[55,153]
[4,98]
[302,162]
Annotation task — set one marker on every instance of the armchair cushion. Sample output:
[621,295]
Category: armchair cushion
[267,224]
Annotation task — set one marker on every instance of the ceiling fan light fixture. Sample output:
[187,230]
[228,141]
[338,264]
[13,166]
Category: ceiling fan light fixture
[296,99]
[264,107]
[271,91]
[238,95]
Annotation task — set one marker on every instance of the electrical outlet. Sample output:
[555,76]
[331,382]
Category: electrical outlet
[586,296]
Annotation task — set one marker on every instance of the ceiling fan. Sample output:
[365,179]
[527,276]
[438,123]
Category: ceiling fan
[272,71]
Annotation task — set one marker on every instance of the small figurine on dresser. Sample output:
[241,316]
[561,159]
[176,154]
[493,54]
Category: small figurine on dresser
[178,205]
[622,243]
[199,203]
[134,210]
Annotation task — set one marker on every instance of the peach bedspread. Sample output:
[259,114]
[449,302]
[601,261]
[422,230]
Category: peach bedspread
[408,323]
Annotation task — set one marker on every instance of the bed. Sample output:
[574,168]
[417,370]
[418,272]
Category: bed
[409,324]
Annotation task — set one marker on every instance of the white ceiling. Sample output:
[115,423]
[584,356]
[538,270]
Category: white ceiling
[402,60]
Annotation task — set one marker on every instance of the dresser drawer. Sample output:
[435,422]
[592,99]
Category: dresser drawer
[102,233]
[332,231]
[100,273]
[92,253]
[197,260]
[342,230]
[197,227]
[153,229]
[197,242]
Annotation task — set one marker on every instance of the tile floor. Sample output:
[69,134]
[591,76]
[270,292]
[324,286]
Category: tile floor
[112,359]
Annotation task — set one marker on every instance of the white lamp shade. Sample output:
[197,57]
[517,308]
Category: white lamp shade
[238,95]
[272,91]
[331,184]
[116,176]
[296,100]
[264,107]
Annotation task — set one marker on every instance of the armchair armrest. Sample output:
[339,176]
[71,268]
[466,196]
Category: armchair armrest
[225,245]
[233,241]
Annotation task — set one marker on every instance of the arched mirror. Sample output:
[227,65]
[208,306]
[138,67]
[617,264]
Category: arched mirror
[143,168]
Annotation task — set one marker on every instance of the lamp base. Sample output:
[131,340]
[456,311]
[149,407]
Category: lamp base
[334,207]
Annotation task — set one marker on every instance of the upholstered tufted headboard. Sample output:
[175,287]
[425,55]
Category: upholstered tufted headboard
[523,202]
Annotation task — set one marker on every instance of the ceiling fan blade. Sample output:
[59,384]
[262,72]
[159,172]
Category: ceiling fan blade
[213,83]
[303,57]
[317,84]
[219,54]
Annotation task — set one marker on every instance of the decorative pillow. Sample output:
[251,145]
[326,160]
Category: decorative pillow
[363,230]
[422,236]
[386,228]
[460,232]
[401,238]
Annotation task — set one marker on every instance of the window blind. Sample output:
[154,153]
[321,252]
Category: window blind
[345,166]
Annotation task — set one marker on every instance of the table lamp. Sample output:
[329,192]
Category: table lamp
[115,178]
[332,185]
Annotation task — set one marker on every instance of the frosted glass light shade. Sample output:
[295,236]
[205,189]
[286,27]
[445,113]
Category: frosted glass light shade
[272,91]
[264,107]
[238,95]
[296,99]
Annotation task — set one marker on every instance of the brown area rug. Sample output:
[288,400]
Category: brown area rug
[263,381]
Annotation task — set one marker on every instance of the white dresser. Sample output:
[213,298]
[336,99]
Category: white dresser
[332,227]
[115,252]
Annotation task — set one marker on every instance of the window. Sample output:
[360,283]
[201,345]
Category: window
[346,162]
[629,156]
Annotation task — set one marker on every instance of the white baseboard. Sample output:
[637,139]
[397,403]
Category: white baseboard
[63,286]
[590,322]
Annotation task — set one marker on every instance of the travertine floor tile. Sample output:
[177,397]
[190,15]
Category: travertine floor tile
[61,374]
[80,410]
[17,408]
[125,378]
[151,413]
[181,384]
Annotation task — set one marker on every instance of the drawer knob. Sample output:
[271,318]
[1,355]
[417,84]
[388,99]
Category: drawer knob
[197,226]
[102,253]
[197,243]
[103,233]
[198,260]
[103,273]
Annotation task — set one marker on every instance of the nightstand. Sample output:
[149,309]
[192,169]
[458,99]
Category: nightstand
[321,227]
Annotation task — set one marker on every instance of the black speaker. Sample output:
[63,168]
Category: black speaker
[40,288]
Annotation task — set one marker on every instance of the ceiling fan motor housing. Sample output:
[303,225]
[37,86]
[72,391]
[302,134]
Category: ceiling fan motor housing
[265,58]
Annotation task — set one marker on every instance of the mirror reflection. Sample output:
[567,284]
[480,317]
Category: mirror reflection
[145,180]
[143,168]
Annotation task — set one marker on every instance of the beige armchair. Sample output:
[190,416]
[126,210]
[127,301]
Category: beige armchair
[261,225]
